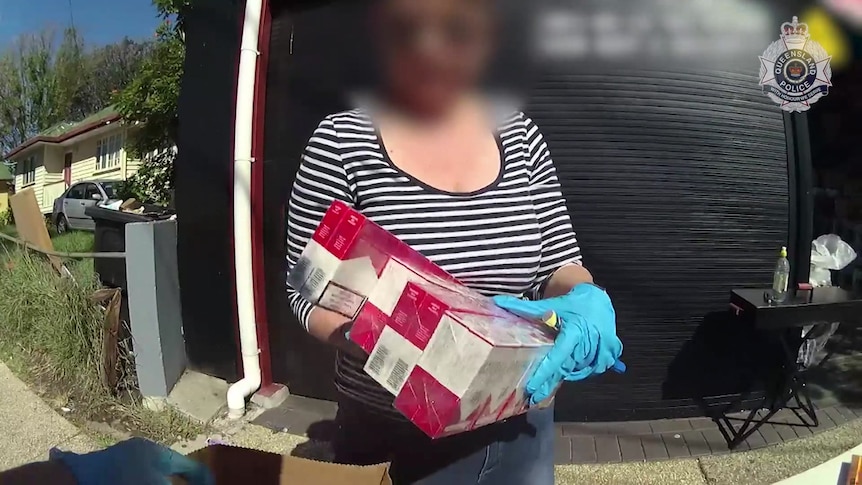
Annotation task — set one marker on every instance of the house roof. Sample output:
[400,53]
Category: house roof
[5,174]
[66,130]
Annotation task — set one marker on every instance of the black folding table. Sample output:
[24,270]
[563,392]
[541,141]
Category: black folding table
[783,322]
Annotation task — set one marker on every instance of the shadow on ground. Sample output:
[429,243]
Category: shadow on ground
[725,364]
[838,379]
[726,358]
[318,447]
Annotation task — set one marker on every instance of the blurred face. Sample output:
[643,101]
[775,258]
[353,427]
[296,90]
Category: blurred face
[433,51]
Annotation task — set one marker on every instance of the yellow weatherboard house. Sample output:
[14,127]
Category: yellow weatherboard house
[93,149]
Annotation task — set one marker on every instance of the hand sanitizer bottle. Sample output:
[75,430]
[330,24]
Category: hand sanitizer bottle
[781,277]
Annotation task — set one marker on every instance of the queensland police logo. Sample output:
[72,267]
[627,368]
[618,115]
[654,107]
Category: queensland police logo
[794,70]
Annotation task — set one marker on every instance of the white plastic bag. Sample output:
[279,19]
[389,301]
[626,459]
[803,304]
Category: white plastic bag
[828,252]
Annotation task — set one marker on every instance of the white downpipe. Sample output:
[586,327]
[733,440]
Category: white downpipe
[245,88]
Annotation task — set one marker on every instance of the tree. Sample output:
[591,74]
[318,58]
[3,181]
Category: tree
[70,76]
[151,99]
[173,9]
[43,83]
[28,89]
[108,69]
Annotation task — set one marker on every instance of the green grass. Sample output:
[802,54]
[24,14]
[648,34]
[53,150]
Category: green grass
[77,242]
[5,243]
[51,336]
[71,242]
[52,315]
[74,242]
[102,439]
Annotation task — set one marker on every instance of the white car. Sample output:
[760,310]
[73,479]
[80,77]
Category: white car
[69,208]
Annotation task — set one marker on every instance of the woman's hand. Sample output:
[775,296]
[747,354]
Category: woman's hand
[133,462]
[587,342]
[333,328]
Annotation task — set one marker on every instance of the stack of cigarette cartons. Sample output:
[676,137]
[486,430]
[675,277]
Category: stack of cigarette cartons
[452,359]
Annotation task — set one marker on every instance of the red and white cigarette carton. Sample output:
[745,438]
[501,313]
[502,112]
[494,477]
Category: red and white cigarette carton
[345,257]
[392,283]
[453,360]
[376,314]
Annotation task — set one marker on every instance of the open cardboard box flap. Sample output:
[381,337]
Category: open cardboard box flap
[232,465]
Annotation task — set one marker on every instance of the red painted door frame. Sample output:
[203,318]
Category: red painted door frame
[257,150]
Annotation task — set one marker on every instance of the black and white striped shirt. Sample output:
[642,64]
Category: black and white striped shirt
[507,238]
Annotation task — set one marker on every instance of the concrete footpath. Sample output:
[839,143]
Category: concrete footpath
[764,466]
[30,428]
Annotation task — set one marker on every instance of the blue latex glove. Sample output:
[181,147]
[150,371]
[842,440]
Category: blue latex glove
[133,462]
[587,342]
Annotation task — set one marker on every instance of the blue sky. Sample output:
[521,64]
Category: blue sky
[98,21]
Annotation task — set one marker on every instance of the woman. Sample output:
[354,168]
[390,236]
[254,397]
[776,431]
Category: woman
[477,193]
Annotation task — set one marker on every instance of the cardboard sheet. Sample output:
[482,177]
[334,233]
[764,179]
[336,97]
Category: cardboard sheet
[30,224]
[238,466]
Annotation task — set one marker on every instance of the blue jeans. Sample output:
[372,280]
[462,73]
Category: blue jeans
[518,451]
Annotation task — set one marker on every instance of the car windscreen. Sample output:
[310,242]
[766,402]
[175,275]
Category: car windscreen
[109,189]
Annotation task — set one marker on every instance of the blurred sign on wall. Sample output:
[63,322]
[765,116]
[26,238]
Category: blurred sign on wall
[652,32]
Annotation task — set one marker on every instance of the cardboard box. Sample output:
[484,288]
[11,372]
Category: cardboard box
[343,261]
[854,472]
[238,466]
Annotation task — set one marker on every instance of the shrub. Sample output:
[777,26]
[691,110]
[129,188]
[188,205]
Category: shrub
[153,182]
[6,218]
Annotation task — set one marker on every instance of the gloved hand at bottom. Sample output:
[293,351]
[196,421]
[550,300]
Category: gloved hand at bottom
[587,343]
[133,462]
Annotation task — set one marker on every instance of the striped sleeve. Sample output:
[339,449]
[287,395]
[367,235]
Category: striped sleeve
[559,244]
[320,180]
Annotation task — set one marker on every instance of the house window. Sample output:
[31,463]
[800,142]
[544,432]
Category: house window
[108,152]
[28,170]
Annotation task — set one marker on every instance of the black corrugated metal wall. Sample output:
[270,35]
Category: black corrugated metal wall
[676,181]
[204,186]
[676,198]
